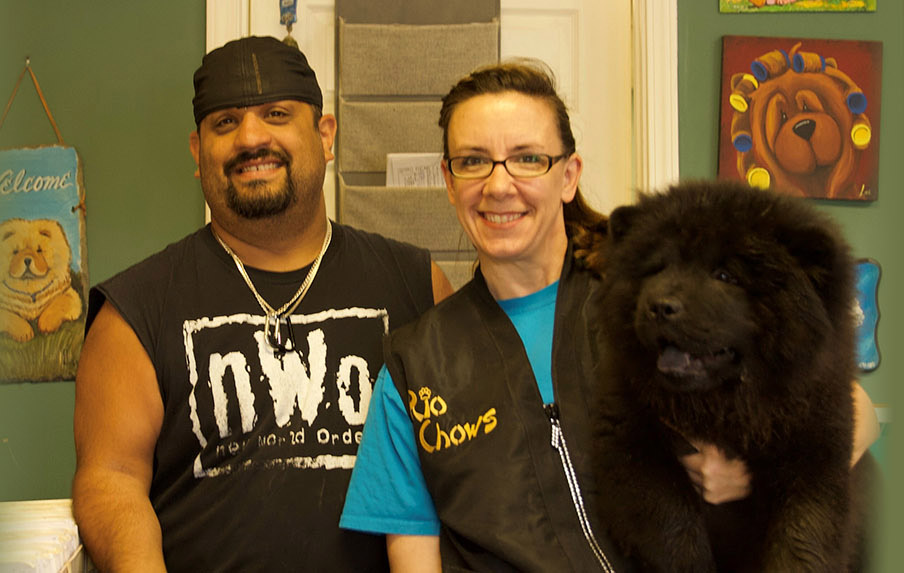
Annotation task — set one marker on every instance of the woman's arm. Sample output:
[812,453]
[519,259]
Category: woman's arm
[866,423]
[720,480]
[413,553]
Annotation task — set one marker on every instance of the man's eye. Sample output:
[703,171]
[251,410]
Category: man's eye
[223,122]
[277,113]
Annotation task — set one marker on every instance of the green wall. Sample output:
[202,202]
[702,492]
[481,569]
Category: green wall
[874,229]
[117,78]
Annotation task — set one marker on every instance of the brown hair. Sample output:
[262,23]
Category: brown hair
[584,225]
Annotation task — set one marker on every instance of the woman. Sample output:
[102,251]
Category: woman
[477,431]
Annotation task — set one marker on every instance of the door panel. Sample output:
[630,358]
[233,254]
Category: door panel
[587,44]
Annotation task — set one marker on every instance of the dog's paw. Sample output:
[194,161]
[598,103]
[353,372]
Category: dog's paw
[66,306]
[16,327]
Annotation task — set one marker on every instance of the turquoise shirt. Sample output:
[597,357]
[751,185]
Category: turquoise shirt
[387,493]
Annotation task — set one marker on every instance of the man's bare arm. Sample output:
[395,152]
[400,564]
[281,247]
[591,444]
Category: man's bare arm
[441,285]
[118,415]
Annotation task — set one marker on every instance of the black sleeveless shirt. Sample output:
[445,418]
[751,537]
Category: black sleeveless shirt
[256,449]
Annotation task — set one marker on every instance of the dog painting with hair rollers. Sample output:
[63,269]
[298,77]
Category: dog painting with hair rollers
[801,116]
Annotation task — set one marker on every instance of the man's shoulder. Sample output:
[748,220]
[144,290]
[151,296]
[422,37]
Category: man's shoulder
[148,277]
[166,258]
[387,271]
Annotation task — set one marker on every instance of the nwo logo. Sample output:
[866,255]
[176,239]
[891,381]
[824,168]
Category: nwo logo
[296,384]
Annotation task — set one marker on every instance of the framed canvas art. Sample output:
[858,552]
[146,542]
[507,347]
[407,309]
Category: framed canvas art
[773,6]
[801,116]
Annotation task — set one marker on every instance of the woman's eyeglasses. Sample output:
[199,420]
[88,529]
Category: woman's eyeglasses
[523,166]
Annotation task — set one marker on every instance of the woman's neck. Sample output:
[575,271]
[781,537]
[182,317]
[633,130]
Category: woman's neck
[514,279]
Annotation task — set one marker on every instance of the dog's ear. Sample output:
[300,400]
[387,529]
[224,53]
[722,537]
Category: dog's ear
[620,221]
[825,258]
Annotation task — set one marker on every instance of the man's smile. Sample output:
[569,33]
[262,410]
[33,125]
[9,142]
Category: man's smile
[256,163]
[258,167]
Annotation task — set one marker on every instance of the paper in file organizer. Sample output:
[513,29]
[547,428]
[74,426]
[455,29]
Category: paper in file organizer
[414,170]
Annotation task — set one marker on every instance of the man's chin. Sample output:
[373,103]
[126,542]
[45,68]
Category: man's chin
[259,207]
[257,211]
[259,201]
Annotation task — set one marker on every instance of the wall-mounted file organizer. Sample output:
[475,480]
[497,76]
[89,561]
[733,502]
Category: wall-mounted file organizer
[394,65]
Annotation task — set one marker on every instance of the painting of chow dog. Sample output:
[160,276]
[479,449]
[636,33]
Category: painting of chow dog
[36,284]
[726,318]
[802,116]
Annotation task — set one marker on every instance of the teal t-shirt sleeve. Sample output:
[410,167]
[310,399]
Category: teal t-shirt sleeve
[387,493]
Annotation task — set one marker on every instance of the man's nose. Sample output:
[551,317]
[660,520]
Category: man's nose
[252,132]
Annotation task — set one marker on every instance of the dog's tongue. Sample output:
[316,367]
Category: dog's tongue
[678,363]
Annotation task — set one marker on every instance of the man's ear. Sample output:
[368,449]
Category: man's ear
[194,144]
[327,128]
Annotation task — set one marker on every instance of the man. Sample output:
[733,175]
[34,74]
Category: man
[224,381]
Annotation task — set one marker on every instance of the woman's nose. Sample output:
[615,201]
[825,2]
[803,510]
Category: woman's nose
[499,181]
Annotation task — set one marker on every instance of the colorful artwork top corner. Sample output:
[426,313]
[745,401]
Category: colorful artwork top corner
[773,6]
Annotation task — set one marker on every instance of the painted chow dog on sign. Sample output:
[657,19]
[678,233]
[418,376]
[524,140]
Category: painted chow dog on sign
[36,281]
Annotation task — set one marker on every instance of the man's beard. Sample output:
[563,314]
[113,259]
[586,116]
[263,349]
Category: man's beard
[254,205]
[258,206]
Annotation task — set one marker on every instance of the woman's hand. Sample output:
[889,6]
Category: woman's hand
[717,478]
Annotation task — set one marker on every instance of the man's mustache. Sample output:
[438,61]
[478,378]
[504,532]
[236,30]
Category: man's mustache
[253,155]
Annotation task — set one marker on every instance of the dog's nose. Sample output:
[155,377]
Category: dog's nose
[804,129]
[666,308]
[28,261]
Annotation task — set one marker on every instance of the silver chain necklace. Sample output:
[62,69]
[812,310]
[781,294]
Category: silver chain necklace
[275,339]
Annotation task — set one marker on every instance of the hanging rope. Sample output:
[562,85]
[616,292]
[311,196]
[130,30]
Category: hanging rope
[34,80]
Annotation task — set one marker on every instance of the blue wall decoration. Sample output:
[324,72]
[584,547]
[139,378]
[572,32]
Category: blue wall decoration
[867,314]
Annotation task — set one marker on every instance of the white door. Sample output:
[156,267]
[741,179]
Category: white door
[587,43]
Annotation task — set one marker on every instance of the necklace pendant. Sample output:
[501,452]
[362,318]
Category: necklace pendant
[274,337]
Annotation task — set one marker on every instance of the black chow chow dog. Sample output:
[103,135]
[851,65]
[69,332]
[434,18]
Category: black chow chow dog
[726,317]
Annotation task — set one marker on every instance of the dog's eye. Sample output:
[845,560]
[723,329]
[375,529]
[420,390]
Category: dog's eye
[725,277]
[784,117]
[651,267]
[806,107]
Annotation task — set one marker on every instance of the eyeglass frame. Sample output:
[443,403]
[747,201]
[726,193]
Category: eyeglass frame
[553,159]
